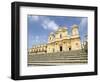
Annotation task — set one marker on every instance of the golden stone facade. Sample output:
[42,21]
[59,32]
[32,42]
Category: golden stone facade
[60,41]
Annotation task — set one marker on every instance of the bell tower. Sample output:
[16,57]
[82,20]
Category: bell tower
[51,37]
[75,30]
[75,38]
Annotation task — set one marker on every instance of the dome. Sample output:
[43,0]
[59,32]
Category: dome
[51,33]
[62,28]
[74,26]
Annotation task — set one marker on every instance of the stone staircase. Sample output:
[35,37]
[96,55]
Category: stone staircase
[60,58]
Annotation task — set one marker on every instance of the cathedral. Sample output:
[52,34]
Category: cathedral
[60,41]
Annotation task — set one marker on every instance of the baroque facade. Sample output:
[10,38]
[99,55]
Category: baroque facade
[60,41]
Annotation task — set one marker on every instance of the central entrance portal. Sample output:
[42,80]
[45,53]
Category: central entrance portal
[69,49]
[60,48]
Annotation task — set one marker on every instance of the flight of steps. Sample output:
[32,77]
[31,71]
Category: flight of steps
[70,57]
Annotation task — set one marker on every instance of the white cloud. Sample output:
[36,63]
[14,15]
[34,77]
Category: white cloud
[83,27]
[48,24]
[83,23]
[35,18]
[39,39]
[45,22]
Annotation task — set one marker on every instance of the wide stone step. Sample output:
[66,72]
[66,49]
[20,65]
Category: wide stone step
[74,54]
[59,56]
[55,58]
[57,63]
[61,61]
[47,59]
[73,57]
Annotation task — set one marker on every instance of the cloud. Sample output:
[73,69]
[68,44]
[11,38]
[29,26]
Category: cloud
[48,24]
[51,25]
[83,27]
[83,23]
[36,39]
[35,18]
[45,22]
[39,39]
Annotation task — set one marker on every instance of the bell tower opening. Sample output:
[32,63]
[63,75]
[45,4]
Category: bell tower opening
[75,30]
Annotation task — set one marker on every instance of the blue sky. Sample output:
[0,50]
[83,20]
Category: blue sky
[39,27]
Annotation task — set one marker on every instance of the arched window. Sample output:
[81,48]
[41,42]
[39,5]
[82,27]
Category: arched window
[50,38]
[55,43]
[60,35]
[76,43]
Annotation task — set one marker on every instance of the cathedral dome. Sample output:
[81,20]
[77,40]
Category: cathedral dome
[74,26]
[51,33]
[62,29]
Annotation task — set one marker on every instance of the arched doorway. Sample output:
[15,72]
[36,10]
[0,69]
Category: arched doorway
[60,48]
[69,48]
